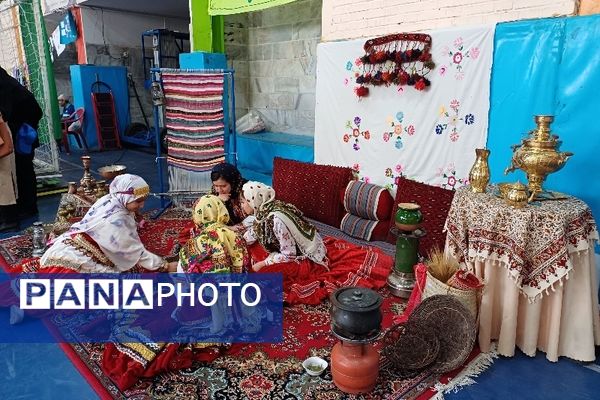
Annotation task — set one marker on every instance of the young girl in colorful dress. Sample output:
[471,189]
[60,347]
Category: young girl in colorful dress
[215,246]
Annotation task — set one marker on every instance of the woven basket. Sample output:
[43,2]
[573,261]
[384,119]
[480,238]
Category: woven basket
[455,329]
[468,298]
[410,348]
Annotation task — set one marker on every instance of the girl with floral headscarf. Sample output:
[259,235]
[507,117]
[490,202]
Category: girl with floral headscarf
[215,247]
[280,228]
[106,239]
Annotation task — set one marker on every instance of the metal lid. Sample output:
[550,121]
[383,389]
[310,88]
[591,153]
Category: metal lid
[357,299]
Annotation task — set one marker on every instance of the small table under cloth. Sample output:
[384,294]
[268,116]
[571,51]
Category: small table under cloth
[539,268]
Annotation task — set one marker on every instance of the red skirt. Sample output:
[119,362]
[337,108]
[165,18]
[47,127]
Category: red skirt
[306,282]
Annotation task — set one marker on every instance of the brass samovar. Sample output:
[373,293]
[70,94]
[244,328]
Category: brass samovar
[538,155]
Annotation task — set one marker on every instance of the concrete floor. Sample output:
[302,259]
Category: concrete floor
[42,371]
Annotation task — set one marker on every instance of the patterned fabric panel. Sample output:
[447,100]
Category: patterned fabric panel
[194,119]
[315,189]
[368,201]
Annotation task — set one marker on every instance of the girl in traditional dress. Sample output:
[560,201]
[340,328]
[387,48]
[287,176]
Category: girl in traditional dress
[280,228]
[283,241]
[215,248]
[106,239]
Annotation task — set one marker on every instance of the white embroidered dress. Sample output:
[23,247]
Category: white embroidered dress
[290,241]
[113,229]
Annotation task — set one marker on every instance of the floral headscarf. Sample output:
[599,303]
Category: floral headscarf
[257,195]
[111,225]
[210,210]
[215,247]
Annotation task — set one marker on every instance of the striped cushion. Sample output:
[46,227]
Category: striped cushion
[364,229]
[368,201]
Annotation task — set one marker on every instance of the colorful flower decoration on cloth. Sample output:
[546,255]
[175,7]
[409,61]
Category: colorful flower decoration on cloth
[452,121]
[397,129]
[458,58]
[356,171]
[353,133]
[357,175]
[399,59]
[353,68]
[448,178]
[394,174]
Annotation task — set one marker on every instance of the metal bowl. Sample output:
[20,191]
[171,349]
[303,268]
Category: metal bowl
[111,171]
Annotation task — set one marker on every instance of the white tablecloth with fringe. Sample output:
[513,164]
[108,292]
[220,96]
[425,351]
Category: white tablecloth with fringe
[538,265]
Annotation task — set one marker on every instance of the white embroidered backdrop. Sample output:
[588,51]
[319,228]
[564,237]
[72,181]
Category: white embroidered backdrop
[428,136]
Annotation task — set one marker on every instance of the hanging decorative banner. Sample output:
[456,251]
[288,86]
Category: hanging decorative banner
[68,29]
[428,135]
[195,126]
[55,45]
[226,7]
[398,59]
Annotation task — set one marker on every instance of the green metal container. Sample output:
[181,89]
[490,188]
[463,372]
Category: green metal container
[407,247]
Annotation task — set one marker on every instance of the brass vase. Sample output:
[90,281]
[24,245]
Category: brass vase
[479,177]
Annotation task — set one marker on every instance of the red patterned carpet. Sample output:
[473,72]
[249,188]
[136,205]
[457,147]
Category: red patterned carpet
[254,371]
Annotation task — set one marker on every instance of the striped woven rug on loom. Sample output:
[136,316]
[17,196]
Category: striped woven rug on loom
[194,119]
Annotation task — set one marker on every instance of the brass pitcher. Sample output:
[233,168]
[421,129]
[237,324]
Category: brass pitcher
[479,177]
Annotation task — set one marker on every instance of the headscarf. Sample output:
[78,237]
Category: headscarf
[111,225]
[210,213]
[261,198]
[214,241]
[257,195]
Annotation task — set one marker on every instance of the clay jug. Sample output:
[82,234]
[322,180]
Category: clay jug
[479,176]
[354,367]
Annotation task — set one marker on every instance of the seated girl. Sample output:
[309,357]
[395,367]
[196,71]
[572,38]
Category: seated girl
[283,241]
[106,239]
[280,228]
[227,185]
[214,249]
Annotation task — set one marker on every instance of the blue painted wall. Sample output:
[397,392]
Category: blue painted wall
[549,66]
[82,79]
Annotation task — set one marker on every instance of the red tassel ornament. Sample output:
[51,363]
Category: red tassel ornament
[361,91]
